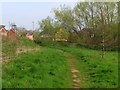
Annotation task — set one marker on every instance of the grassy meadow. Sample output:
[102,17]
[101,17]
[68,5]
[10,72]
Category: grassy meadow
[48,68]
[95,71]
[62,45]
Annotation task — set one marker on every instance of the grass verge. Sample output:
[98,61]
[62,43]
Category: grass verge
[95,72]
[41,69]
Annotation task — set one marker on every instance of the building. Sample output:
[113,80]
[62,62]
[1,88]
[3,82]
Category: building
[11,32]
[29,36]
[3,31]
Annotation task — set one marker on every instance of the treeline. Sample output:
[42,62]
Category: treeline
[92,24]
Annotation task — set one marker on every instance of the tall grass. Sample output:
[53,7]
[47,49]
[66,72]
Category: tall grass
[9,48]
[96,72]
[43,69]
[48,67]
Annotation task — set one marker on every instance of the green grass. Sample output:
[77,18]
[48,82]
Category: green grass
[25,42]
[48,68]
[9,48]
[96,72]
[44,69]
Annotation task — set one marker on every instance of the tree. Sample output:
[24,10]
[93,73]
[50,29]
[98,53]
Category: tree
[49,27]
[98,20]
[65,16]
[46,26]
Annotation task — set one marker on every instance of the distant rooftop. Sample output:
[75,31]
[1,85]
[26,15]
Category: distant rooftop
[2,26]
[14,25]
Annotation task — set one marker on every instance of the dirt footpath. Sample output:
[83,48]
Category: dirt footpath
[72,62]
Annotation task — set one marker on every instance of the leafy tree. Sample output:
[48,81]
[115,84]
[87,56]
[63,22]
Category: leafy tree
[46,26]
[65,17]
[100,16]
[91,23]
[49,27]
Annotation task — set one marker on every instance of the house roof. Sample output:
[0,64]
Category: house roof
[2,26]
[12,30]
[3,30]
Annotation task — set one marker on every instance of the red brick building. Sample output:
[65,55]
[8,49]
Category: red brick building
[3,31]
[11,32]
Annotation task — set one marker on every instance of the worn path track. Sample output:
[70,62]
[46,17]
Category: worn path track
[72,62]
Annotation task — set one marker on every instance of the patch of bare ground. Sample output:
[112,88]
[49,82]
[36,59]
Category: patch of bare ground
[72,62]
[6,58]
[20,50]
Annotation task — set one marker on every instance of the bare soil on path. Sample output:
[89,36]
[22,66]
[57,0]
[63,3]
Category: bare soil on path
[72,62]
[19,50]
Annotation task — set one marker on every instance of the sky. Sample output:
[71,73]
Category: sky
[24,13]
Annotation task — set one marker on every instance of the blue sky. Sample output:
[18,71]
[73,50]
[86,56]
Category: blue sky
[23,13]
